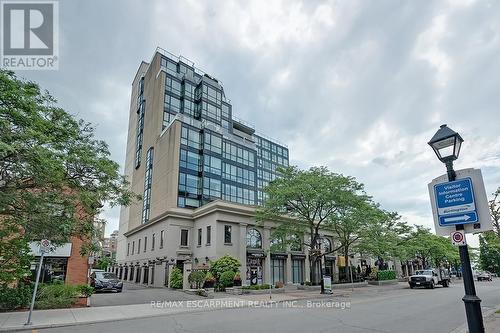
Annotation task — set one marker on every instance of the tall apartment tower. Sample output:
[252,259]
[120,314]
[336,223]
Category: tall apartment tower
[186,150]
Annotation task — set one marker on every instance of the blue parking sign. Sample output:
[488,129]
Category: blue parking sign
[455,202]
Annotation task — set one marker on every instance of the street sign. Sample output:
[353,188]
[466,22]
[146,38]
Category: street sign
[327,284]
[45,246]
[455,202]
[458,238]
[462,201]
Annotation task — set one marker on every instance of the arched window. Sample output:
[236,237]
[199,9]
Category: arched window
[326,244]
[254,239]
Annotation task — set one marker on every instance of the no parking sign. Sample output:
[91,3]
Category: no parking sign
[458,238]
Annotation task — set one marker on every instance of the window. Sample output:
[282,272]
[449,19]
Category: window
[173,86]
[254,239]
[189,108]
[190,160]
[172,104]
[238,174]
[153,242]
[225,111]
[209,111]
[145,243]
[148,177]
[211,187]
[162,235]
[209,234]
[238,194]
[212,165]
[227,234]
[213,143]
[298,271]
[141,108]
[278,270]
[212,94]
[199,237]
[184,237]
[190,137]
[237,154]
[128,248]
[189,183]
[139,246]
[133,247]
[188,89]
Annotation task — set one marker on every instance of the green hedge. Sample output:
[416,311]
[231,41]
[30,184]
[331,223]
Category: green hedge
[226,278]
[256,287]
[56,296]
[176,279]
[386,275]
[15,298]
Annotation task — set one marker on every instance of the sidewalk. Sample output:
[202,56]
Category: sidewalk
[14,321]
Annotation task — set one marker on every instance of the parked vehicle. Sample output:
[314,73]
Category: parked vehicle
[106,281]
[430,278]
[484,276]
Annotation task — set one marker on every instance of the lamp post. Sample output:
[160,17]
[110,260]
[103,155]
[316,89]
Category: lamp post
[446,143]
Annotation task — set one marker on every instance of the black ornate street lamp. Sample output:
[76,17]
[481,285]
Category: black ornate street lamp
[446,143]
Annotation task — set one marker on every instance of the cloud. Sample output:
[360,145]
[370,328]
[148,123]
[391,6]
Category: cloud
[357,86]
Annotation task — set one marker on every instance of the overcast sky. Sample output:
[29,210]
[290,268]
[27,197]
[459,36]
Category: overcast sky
[358,86]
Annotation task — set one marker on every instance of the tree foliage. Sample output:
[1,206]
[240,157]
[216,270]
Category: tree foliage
[54,174]
[489,257]
[433,250]
[224,264]
[495,212]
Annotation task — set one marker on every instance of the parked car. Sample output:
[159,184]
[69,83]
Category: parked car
[484,276]
[106,281]
[429,278]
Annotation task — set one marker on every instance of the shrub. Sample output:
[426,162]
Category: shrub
[256,287]
[176,279]
[224,264]
[279,284]
[209,277]
[85,290]
[373,274]
[55,296]
[386,275]
[15,298]
[197,278]
[226,279]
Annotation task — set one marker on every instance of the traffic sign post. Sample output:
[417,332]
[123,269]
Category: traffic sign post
[458,238]
[45,247]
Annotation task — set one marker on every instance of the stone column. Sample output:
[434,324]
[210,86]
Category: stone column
[307,268]
[187,270]
[243,252]
[267,261]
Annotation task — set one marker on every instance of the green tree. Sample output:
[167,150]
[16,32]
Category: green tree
[176,279]
[384,236]
[489,256]
[224,264]
[103,263]
[55,175]
[306,202]
[495,212]
[433,250]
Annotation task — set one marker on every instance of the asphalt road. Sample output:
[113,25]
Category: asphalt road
[139,294]
[368,309]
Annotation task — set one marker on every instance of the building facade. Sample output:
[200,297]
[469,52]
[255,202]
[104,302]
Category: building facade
[201,172]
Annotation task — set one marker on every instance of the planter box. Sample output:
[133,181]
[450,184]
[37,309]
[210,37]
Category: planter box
[383,282]
[241,291]
[304,287]
[81,302]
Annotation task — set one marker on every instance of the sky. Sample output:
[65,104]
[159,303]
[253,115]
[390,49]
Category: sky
[357,86]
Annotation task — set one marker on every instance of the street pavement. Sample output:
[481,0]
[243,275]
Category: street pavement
[139,294]
[369,309]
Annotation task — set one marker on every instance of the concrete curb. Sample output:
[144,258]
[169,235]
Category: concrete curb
[464,328]
[183,311]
